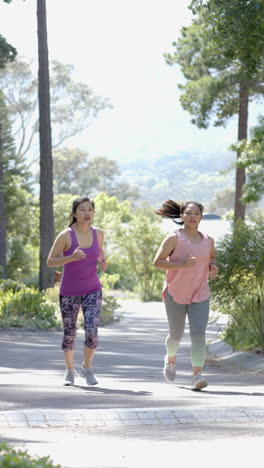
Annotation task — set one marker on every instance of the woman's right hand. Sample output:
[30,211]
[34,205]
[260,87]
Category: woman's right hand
[78,254]
[189,262]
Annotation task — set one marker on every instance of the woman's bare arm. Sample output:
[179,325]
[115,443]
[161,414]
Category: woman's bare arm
[101,258]
[56,257]
[162,261]
[212,261]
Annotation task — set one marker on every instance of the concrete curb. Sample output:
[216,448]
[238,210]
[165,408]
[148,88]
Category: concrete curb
[225,353]
[45,418]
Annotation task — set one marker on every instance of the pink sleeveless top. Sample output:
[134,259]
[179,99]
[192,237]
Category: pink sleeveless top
[80,277]
[187,285]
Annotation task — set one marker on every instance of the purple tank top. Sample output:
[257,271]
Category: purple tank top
[80,277]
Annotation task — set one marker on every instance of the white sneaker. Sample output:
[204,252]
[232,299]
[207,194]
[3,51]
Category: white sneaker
[69,377]
[198,382]
[169,370]
[88,374]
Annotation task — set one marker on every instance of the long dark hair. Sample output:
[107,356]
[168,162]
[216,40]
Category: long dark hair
[75,205]
[172,210]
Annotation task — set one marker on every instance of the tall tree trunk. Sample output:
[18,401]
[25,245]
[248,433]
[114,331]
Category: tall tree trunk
[242,135]
[46,275]
[2,211]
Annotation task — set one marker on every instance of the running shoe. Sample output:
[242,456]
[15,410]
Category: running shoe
[169,370]
[69,377]
[88,374]
[198,382]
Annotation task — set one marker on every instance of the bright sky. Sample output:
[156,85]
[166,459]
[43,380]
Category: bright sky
[117,47]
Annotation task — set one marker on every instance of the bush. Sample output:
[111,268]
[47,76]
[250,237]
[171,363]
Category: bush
[108,281]
[19,260]
[109,306]
[239,289]
[11,458]
[26,307]
[7,284]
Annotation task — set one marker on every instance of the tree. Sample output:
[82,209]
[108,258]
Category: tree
[238,28]
[46,275]
[239,289]
[73,105]
[222,80]
[7,169]
[76,172]
[222,202]
[7,54]
[137,243]
[252,160]
[7,51]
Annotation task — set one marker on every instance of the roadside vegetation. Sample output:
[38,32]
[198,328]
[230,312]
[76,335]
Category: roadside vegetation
[13,458]
[239,288]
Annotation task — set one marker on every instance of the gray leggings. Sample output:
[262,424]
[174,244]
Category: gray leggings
[198,313]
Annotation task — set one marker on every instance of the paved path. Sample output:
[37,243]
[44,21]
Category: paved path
[132,401]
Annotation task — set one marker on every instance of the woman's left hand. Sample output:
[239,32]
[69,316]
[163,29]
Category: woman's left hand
[102,264]
[213,271]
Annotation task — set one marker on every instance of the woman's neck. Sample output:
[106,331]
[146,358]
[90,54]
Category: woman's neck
[191,232]
[82,227]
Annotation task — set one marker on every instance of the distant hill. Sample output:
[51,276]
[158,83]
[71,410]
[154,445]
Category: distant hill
[180,177]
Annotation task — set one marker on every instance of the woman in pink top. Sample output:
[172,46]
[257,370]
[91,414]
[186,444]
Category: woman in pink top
[187,256]
[78,249]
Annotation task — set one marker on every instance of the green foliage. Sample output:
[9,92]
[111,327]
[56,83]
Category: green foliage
[12,458]
[238,27]
[10,284]
[19,260]
[8,156]
[136,244]
[110,214]
[62,210]
[25,306]
[187,175]
[252,158]
[239,288]
[22,210]
[212,63]
[109,307]
[108,210]
[211,87]
[73,105]
[108,281]
[7,52]
[76,172]
[131,242]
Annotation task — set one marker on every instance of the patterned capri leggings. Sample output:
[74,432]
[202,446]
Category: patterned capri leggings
[91,307]
[198,313]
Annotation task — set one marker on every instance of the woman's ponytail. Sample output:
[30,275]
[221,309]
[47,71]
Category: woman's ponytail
[169,209]
[172,210]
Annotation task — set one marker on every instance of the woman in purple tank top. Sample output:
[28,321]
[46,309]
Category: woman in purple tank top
[78,249]
[187,256]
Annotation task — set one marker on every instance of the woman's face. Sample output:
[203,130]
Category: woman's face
[84,213]
[191,216]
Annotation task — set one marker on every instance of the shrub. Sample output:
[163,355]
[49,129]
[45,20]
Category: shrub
[108,281]
[6,284]
[26,307]
[12,458]
[239,289]
[109,306]
[19,260]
